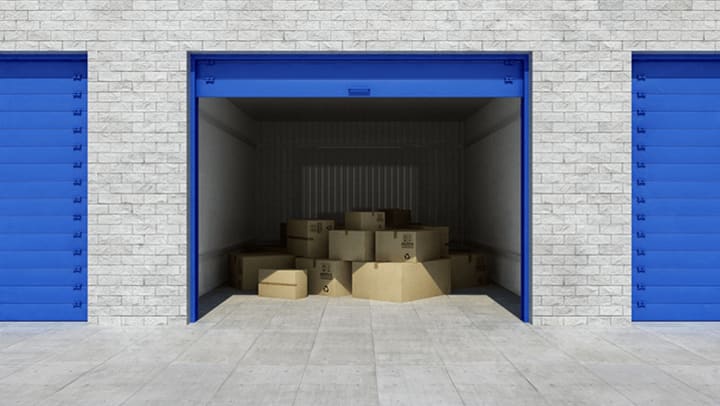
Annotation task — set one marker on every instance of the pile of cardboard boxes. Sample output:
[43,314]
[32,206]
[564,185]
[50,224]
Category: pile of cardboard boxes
[378,255]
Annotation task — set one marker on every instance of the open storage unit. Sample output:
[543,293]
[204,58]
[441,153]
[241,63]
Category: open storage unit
[275,137]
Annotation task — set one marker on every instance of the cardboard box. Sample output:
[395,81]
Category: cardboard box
[397,218]
[309,228]
[309,238]
[468,269]
[244,267]
[444,236]
[400,281]
[364,220]
[330,278]
[352,245]
[407,245]
[283,283]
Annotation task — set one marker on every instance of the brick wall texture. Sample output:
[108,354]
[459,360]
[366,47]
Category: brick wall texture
[581,63]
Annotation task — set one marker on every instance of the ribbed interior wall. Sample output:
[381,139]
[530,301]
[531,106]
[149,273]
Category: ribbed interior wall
[322,169]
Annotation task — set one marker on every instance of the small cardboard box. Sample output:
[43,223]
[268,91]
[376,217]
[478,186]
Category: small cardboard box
[407,245]
[244,267]
[330,277]
[397,218]
[352,245]
[364,220]
[283,283]
[309,237]
[468,269]
[400,281]
[444,236]
[309,228]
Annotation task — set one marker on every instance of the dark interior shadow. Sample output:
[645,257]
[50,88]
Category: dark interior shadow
[217,296]
[505,298]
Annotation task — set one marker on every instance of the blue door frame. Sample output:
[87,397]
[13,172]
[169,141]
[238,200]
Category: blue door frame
[357,75]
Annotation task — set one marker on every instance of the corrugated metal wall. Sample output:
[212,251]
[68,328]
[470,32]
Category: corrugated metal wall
[321,169]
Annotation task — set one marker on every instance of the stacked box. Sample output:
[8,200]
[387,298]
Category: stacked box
[401,281]
[364,220]
[309,238]
[407,245]
[283,283]
[244,267]
[352,245]
[468,269]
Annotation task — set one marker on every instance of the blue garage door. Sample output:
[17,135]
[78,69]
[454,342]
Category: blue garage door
[43,178]
[676,187]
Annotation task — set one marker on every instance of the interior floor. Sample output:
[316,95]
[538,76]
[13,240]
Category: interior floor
[494,300]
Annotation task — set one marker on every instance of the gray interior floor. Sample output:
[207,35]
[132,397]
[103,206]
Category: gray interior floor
[501,296]
[449,350]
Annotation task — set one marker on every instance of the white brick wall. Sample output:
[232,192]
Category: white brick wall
[581,121]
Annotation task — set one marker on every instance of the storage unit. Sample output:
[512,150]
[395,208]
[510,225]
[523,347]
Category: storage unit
[442,135]
[43,187]
[676,202]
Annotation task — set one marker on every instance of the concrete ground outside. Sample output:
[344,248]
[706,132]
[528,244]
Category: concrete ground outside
[452,350]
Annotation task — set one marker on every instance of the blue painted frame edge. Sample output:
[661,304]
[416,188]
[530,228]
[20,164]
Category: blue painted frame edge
[526,196]
[674,55]
[193,57]
[34,56]
[193,267]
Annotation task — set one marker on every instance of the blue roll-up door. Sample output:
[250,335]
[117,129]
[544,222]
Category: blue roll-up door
[43,187]
[676,187]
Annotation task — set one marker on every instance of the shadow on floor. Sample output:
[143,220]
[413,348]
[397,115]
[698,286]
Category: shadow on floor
[503,297]
[216,297]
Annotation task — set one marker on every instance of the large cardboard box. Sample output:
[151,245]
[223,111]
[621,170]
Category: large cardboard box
[468,269]
[283,283]
[352,245]
[397,218]
[330,278]
[407,245]
[244,267]
[364,220]
[400,281]
[309,237]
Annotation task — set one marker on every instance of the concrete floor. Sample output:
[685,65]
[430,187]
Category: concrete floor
[451,350]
